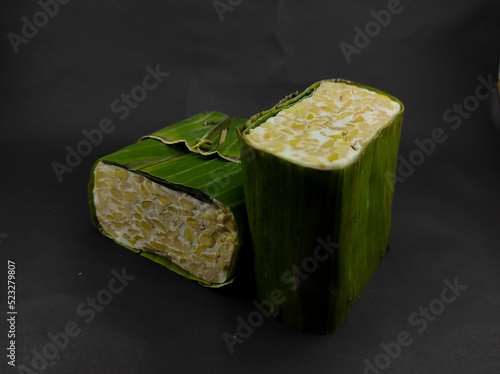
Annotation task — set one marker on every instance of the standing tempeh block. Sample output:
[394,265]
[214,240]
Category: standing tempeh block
[318,201]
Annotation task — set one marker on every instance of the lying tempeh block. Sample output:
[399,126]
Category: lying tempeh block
[181,205]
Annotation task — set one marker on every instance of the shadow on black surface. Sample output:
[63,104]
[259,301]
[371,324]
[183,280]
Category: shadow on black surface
[244,281]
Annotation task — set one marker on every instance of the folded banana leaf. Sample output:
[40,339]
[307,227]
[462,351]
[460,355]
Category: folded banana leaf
[176,197]
[318,202]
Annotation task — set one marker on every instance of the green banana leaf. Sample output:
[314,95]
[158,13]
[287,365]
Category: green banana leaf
[216,136]
[198,156]
[318,235]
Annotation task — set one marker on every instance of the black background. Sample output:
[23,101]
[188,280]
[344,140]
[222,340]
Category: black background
[445,214]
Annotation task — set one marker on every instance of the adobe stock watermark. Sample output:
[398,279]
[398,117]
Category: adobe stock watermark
[221,178]
[454,117]
[371,30]
[58,341]
[121,106]
[419,320]
[223,6]
[30,27]
[292,278]
[3,236]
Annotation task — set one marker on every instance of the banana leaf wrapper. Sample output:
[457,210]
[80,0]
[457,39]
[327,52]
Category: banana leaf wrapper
[195,163]
[318,235]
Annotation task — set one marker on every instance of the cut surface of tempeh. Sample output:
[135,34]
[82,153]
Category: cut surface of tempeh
[198,236]
[327,130]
